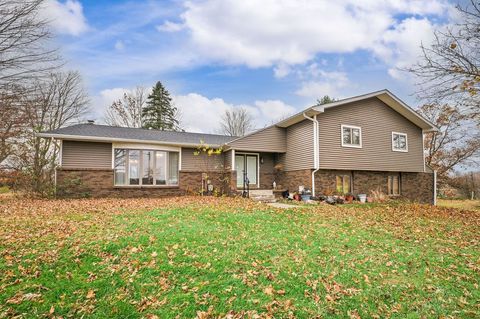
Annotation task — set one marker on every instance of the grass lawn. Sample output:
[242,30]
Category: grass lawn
[221,257]
[462,204]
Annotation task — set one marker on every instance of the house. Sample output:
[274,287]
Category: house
[355,145]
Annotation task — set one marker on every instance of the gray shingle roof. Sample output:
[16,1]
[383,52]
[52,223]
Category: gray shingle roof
[113,132]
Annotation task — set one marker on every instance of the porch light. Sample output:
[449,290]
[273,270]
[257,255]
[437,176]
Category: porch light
[261,159]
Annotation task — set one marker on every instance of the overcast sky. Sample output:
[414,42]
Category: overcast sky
[273,57]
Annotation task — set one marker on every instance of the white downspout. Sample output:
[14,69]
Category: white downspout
[316,150]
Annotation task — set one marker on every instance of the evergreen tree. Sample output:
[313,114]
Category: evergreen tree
[160,113]
[325,100]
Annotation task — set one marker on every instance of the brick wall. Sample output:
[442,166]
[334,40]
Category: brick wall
[325,181]
[99,183]
[292,179]
[417,186]
[366,181]
[223,182]
[414,186]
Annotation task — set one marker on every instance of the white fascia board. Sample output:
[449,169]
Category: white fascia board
[113,140]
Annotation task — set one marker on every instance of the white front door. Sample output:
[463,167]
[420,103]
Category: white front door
[246,164]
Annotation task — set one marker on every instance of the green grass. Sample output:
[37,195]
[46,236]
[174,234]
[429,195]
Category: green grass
[4,189]
[141,259]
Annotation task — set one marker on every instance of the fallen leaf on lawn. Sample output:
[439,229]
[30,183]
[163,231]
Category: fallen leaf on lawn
[268,290]
[354,314]
[90,294]
[52,310]
[31,296]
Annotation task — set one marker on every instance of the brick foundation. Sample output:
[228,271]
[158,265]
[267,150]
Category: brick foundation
[364,182]
[417,187]
[224,182]
[100,183]
[292,179]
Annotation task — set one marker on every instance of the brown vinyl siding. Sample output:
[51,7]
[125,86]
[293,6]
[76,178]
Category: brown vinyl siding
[201,162]
[377,122]
[270,139]
[228,160]
[77,154]
[299,147]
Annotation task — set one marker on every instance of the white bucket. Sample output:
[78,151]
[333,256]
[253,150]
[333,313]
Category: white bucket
[362,198]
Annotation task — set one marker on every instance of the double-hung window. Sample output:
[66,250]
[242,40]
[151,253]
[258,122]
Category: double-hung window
[145,167]
[351,136]
[399,142]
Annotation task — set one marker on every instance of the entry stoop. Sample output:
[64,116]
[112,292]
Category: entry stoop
[262,195]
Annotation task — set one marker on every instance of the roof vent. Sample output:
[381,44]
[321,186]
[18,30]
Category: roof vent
[90,121]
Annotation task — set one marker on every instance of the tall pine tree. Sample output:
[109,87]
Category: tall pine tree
[160,113]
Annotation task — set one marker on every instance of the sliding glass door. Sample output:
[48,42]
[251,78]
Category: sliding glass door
[246,164]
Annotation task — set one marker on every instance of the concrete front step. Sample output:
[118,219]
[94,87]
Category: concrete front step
[261,195]
[264,199]
[261,192]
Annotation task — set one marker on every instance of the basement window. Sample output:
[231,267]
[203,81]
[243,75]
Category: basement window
[393,185]
[343,184]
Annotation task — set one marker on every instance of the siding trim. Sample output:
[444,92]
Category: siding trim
[423,152]
[60,155]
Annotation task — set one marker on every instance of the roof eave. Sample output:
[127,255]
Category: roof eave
[119,140]
[384,95]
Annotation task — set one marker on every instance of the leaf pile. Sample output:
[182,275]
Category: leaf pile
[209,257]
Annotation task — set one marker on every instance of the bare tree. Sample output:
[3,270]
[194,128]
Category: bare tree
[457,142]
[11,123]
[58,101]
[127,112]
[449,69]
[236,122]
[25,50]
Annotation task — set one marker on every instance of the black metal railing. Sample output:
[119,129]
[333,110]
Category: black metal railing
[246,185]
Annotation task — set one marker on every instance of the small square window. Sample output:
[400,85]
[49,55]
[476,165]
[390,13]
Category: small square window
[399,142]
[351,136]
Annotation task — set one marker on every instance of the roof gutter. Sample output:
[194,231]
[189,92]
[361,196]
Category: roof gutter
[114,139]
[316,149]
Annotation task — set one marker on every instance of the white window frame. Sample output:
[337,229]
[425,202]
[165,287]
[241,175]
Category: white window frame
[258,164]
[406,142]
[351,127]
[140,166]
